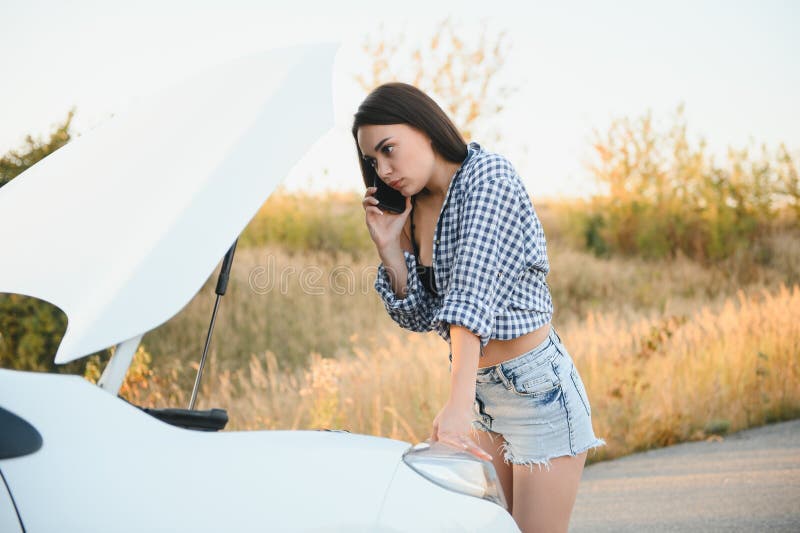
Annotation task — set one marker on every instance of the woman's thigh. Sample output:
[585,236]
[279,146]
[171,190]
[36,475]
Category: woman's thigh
[545,498]
[493,444]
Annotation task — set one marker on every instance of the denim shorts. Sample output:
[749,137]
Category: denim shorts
[538,403]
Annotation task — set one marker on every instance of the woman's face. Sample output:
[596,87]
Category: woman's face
[401,155]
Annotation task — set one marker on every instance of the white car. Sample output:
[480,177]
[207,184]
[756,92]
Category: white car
[120,228]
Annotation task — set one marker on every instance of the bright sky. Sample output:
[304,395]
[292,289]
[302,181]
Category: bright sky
[578,65]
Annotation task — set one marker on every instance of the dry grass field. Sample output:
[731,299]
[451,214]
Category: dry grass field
[669,350]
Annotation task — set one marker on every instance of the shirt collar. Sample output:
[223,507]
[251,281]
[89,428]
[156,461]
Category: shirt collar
[472,148]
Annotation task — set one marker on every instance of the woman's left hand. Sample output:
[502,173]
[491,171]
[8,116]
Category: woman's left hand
[453,426]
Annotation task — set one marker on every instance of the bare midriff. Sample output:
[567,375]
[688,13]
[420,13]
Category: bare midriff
[496,350]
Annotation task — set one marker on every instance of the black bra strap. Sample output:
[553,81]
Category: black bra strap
[426,273]
[413,240]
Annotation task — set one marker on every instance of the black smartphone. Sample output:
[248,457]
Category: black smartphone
[388,198]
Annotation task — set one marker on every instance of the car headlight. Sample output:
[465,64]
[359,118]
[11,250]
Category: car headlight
[456,470]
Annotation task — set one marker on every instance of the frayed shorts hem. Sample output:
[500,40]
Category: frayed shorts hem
[508,457]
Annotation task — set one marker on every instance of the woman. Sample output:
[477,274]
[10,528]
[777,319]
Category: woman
[468,259]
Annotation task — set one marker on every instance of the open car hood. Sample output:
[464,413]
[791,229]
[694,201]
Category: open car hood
[122,226]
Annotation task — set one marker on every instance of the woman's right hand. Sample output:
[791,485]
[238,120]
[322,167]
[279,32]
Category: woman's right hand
[384,227]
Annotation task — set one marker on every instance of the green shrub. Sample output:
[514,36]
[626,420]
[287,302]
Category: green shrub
[664,196]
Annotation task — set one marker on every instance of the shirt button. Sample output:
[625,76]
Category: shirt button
[437,241]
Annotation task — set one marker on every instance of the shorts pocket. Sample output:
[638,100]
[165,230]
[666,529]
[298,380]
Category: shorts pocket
[540,382]
[578,382]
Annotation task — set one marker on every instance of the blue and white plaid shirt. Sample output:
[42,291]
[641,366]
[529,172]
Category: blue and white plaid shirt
[490,260]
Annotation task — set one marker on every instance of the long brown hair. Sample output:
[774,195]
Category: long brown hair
[401,103]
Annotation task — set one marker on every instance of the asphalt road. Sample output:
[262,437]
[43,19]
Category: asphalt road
[748,481]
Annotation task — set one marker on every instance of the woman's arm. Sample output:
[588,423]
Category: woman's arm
[405,299]
[453,424]
[465,347]
[394,264]
[489,258]
[397,282]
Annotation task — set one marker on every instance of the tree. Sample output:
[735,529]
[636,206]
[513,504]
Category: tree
[462,78]
[15,162]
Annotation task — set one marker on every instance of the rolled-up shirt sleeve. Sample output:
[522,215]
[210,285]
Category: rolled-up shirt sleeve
[414,312]
[490,254]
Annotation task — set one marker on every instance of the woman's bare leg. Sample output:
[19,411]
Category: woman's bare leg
[545,498]
[492,445]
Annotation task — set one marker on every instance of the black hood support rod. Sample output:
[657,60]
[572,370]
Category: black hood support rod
[222,285]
